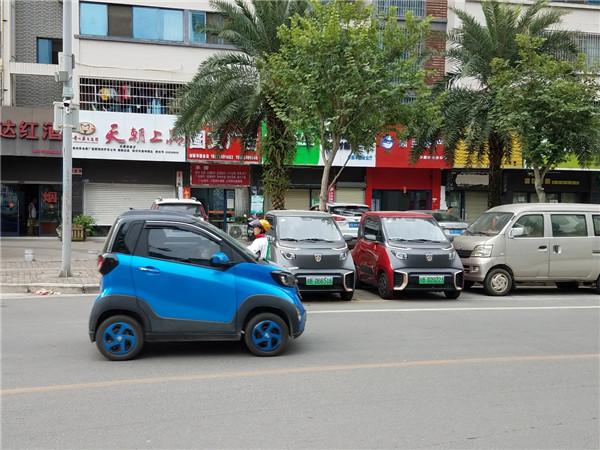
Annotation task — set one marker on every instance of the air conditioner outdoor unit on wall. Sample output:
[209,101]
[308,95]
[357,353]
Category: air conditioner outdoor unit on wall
[236,230]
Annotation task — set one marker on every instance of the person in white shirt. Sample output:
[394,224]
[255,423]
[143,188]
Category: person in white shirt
[260,245]
[31,217]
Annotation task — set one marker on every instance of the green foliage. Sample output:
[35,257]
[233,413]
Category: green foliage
[226,94]
[87,222]
[467,106]
[549,105]
[342,72]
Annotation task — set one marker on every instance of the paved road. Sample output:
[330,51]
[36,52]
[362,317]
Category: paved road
[516,372]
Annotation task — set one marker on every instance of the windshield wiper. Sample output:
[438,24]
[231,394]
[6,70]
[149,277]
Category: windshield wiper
[289,239]
[415,240]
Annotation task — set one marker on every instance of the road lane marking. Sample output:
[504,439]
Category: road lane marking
[492,308]
[293,371]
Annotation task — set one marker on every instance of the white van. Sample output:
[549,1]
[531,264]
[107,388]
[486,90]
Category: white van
[532,242]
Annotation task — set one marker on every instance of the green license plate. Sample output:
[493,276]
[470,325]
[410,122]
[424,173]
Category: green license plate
[431,279]
[319,281]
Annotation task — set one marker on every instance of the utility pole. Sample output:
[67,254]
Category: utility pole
[69,116]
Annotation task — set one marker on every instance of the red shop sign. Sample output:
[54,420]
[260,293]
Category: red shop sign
[395,153]
[220,175]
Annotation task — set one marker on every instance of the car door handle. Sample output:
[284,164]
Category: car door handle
[557,250]
[149,269]
[543,248]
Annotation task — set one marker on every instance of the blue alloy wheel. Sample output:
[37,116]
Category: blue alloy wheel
[119,338]
[266,334]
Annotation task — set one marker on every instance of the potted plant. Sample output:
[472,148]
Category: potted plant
[83,226]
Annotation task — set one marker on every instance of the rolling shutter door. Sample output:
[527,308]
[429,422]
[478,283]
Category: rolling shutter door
[106,201]
[476,203]
[350,195]
[297,199]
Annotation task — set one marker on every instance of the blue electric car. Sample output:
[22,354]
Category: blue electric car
[168,276]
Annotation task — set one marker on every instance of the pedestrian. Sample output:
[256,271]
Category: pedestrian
[452,211]
[260,245]
[31,217]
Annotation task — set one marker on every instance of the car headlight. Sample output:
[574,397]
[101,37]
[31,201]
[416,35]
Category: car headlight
[288,255]
[482,251]
[344,255]
[400,255]
[284,278]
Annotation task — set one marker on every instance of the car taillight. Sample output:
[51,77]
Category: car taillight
[339,218]
[107,262]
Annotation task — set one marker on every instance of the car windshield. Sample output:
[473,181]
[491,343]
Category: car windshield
[409,229]
[187,208]
[309,229]
[349,210]
[445,217]
[489,224]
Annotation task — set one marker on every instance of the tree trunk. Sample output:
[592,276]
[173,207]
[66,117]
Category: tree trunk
[496,153]
[539,175]
[277,149]
[327,163]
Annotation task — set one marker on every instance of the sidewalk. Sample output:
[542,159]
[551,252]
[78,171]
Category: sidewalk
[41,275]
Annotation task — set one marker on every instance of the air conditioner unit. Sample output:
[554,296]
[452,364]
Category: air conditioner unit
[236,230]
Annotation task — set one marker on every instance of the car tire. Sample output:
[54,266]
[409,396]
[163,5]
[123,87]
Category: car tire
[120,338]
[567,286]
[347,295]
[383,287]
[452,294]
[468,284]
[266,334]
[498,282]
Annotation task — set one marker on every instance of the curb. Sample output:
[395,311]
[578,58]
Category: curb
[32,288]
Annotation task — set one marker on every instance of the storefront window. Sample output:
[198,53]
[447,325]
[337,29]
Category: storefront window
[49,209]
[520,197]
[10,211]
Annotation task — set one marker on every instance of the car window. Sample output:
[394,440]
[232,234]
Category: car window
[532,225]
[126,238]
[176,244]
[316,229]
[372,226]
[412,229]
[568,225]
[596,221]
[489,224]
[187,208]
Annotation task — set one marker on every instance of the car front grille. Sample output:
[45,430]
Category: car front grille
[464,253]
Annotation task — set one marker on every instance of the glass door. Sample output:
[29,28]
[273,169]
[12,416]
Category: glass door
[9,208]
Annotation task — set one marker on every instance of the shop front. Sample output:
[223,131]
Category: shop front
[561,186]
[467,192]
[31,188]
[127,161]
[397,184]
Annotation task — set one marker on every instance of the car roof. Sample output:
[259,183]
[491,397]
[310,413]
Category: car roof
[157,214]
[399,214]
[297,213]
[177,200]
[517,208]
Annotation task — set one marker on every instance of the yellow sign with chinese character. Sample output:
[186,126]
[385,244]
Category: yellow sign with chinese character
[463,159]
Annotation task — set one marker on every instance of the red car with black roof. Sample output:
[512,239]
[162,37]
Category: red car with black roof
[406,251]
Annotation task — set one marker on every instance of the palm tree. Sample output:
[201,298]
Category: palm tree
[469,99]
[226,94]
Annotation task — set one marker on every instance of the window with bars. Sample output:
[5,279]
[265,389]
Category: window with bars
[417,7]
[128,96]
[589,44]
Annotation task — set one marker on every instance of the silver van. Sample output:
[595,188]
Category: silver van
[532,242]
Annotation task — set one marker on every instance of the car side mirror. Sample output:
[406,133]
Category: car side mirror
[348,237]
[220,259]
[516,232]
[370,237]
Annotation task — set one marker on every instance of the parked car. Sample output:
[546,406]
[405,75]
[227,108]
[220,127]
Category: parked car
[310,245]
[185,205]
[532,242]
[406,251]
[168,276]
[451,225]
[347,216]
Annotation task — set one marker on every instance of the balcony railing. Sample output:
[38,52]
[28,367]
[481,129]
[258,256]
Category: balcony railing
[417,7]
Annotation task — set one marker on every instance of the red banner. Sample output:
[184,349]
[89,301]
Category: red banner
[220,175]
[203,149]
